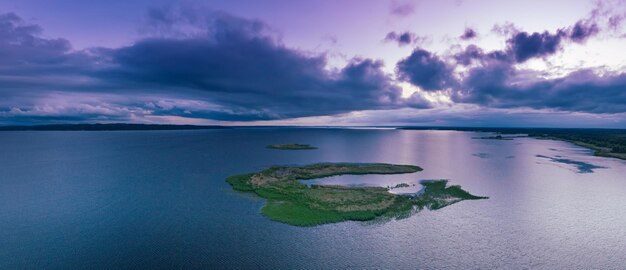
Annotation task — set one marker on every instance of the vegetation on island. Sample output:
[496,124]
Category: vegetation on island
[292,202]
[293,146]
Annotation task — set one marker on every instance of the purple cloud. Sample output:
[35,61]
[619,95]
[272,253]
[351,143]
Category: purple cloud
[242,72]
[211,65]
[402,9]
[525,46]
[467,56]
[615,21]
[583,30]
[403,38]
[494,81]
[501,86]
[20,43]
[426,70]
[468,34]
[522,46]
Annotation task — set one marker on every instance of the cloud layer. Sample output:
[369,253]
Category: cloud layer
[230,64]
[497,79]
[210,65]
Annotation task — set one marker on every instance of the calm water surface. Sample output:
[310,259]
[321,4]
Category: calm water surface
[157,199]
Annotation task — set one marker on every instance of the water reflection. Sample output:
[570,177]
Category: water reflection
[159,200]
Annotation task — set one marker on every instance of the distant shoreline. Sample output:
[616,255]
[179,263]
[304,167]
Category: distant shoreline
[106,127]
[126,126]
[604,142]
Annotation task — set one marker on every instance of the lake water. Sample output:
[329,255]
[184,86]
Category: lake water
[158,199]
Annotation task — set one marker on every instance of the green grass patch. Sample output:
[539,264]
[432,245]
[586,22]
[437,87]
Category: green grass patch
[240,182]
[297,214]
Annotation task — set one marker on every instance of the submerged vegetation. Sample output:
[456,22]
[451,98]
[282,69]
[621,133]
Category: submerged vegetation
[293,146]
[295,203]
[582,167]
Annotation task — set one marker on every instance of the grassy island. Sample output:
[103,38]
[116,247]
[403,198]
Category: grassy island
[293,146]
[295,203]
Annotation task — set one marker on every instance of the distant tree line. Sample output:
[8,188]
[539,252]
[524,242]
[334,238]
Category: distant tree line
[612,139]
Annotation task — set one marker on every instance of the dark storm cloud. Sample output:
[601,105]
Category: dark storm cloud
[492,79]
[468,34]
[525,46]
[20,44]
[237,66]
[500,86]
[426,70]
[231,65]
[583,30]
[29,60]
[211,65]
[495,82]
[522,46]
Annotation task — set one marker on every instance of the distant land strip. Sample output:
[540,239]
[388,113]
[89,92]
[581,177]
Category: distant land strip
[106,127]
[604,142]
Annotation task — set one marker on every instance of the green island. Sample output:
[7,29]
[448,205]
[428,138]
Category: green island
[292,146]
[292,202]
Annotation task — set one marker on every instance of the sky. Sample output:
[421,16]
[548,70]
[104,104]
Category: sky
[320,63]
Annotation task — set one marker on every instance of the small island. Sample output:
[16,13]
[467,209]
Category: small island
[498,137]
[295,203]
[293,146]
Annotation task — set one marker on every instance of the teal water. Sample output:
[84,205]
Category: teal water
[158,199]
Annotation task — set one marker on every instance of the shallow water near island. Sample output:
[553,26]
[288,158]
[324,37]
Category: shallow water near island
[158,199]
